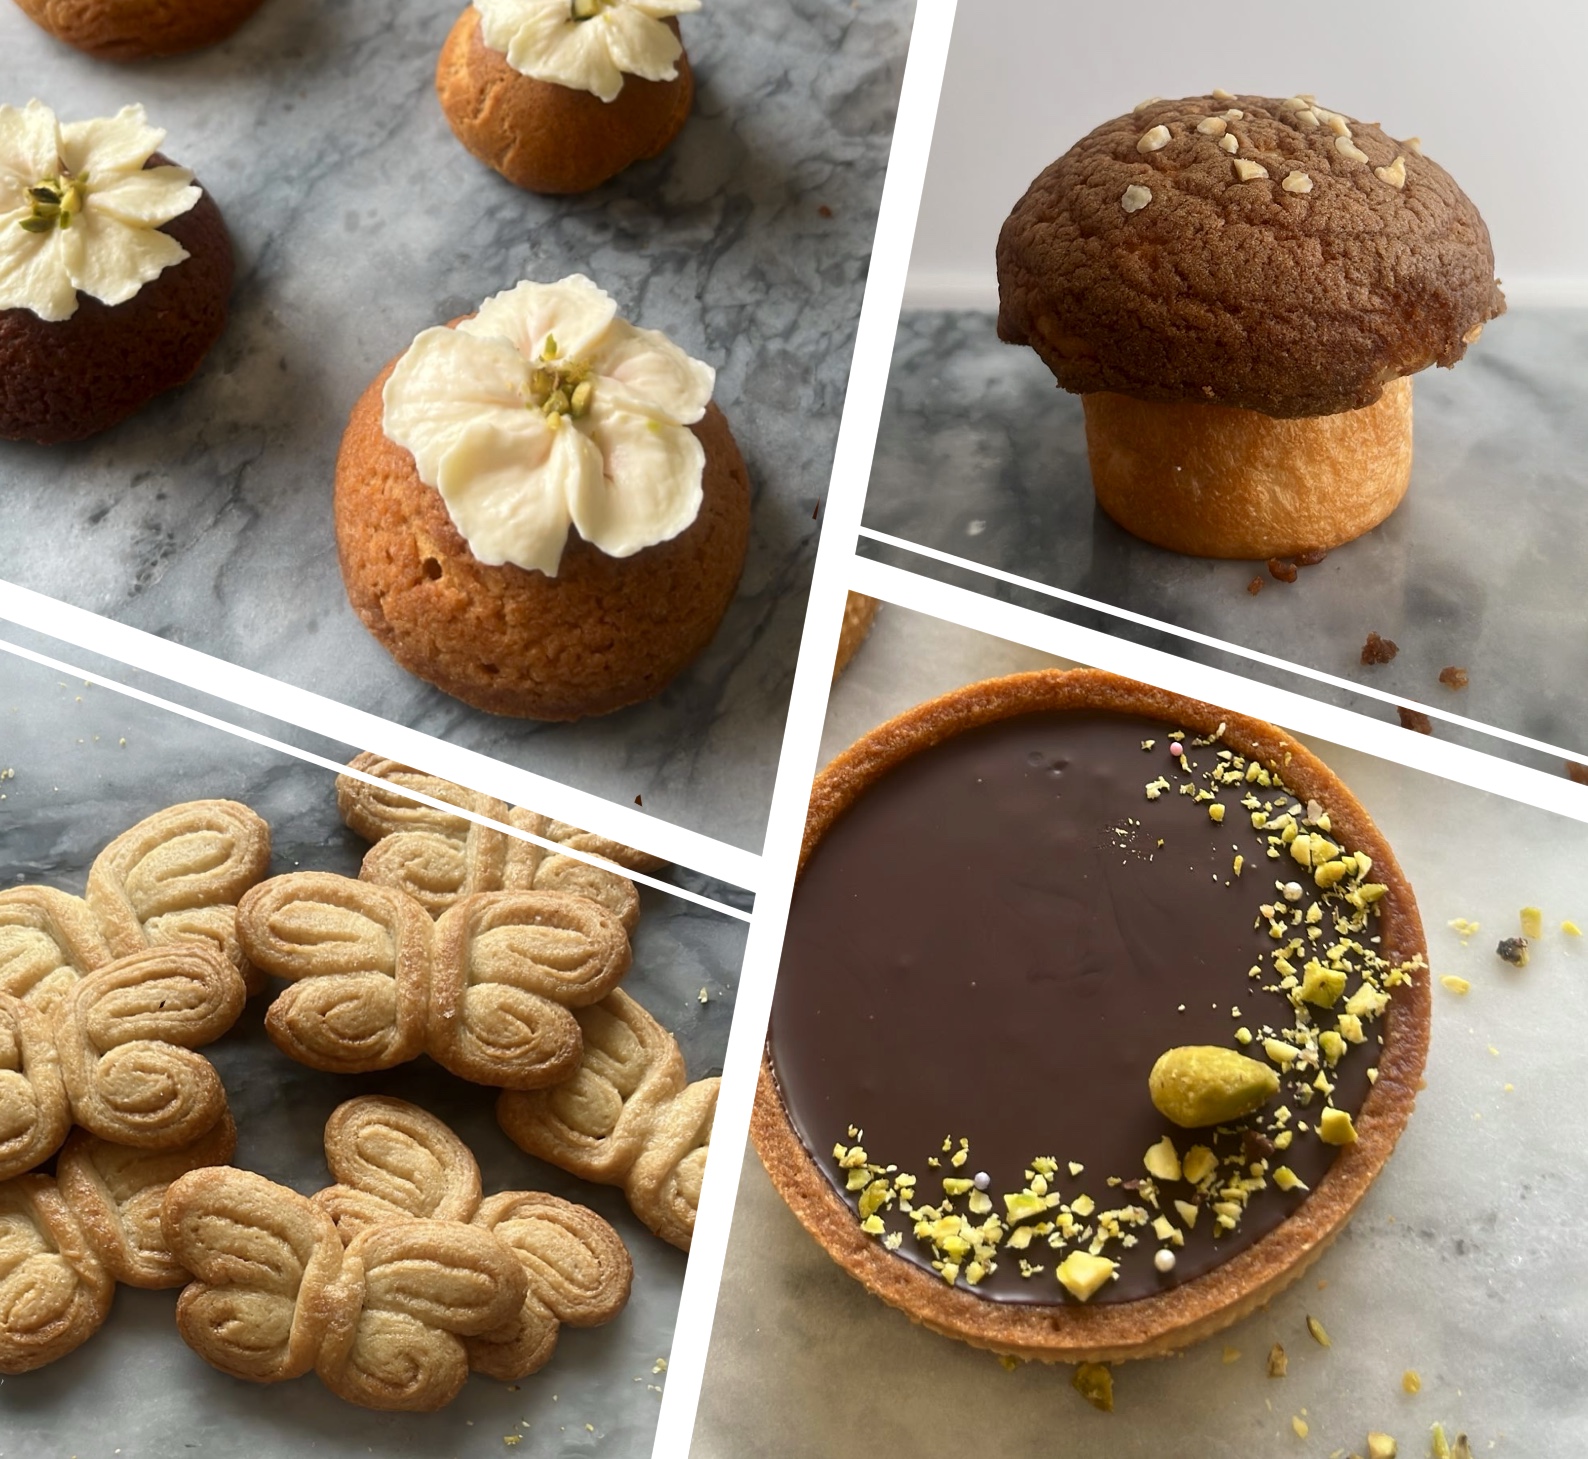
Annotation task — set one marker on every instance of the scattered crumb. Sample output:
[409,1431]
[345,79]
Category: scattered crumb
[824,211]
[1281,571]
[1532,922]
[1299,1424]
[639,802]
[1311,557]
[1379,650]
[1319,1336]
[1232,1355]
[705,997]
[1577,772]
[1456,985]
[1411,1381]
[1008,1362]
[1463,928]
[1095,1383]
[660,1366]
[1513,950]
[1278,1363]
[1415,719]
[1453,678]
[1571,929]
[1255,586]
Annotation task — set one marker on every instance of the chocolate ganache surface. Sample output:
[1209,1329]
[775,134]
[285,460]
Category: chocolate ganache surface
[994,944]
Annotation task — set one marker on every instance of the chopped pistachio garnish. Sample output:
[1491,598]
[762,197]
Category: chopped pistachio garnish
[1162,1160]
[1456,985]
[1532,922]
[1513,950]
[1411,1381]
[1278,1363]
[1381,1446]
[1571,929]
[1319,1336]
[1081,1274]
[1299,1424]
[1095,1383]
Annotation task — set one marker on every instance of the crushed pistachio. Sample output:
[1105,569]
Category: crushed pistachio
[1571,929]
[1411,1381]
[1081,1274]
[1299,1424]
[1381,1446]
[1319,1336]
[1532,923]
[1459,986]
[1162,1160]
[1095,1383]
[1278,1363]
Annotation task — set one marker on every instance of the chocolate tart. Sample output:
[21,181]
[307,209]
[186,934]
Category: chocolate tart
[547,138]
[938,895]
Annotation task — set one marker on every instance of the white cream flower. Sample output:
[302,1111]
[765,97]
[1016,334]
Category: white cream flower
[544,410]
[589,45]
[80,213]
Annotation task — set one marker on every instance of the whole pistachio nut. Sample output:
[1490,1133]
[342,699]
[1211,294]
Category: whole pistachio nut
[1198,1085]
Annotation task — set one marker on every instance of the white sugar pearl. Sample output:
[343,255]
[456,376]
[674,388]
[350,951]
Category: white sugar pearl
[1164,1260]
[1292,891]
[982,1180]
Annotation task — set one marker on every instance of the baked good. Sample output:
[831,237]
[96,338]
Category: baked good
[437,857]
[126,1036]
[384,1323]
[136,30]
[116,1055]
[561,95]
[395,1162]
[859,610]
[470,457]
[65,1243]
[48,939]
[1240,287]
[35,1113]
[54,1291]
[628,1116]
[115,269]
[486,991]
[177,875]
[1129,1067]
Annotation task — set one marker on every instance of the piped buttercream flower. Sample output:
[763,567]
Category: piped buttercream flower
[588,45]
[546,410]
[79,211]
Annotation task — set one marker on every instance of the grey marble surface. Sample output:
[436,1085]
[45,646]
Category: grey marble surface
[1464,1263]
[359,220]
[87,763]
[982,456]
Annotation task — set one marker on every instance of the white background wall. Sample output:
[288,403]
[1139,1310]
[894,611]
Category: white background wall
[1497,91]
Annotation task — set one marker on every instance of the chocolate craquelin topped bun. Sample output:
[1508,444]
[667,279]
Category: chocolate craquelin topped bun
[1247,251]
[1055,1033]
[1240,288]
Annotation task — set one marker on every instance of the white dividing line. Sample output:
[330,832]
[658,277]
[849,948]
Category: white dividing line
[857,437]
[363,731]
[1296,712]
[1319,676]
[337,768]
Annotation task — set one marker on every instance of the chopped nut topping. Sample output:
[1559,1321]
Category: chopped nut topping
[1347,148]
[1255,586]
[1381,1446]
[1081,1274]
[1249,171]
[1297,182]
[1411,1381]
[1394,174]
[1471,336]
[1299,1425]
[1571,929]
[1459,986]
[1220,94]
[1135,198]
[1142,106]
[1281,571]
[1278,1363]
[1414,719]
[1095,1383]
[1335,1128]
[1532,922]
[1453,678]
[1163,1160]
[1319,1336]
[1229,142]
[1414,145]
[1213,126]
[1308,119]
[1154,139]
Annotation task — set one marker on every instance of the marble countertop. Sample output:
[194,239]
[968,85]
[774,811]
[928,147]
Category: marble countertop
[358,220]
[980,455]
[87,763]
[1464,1262]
